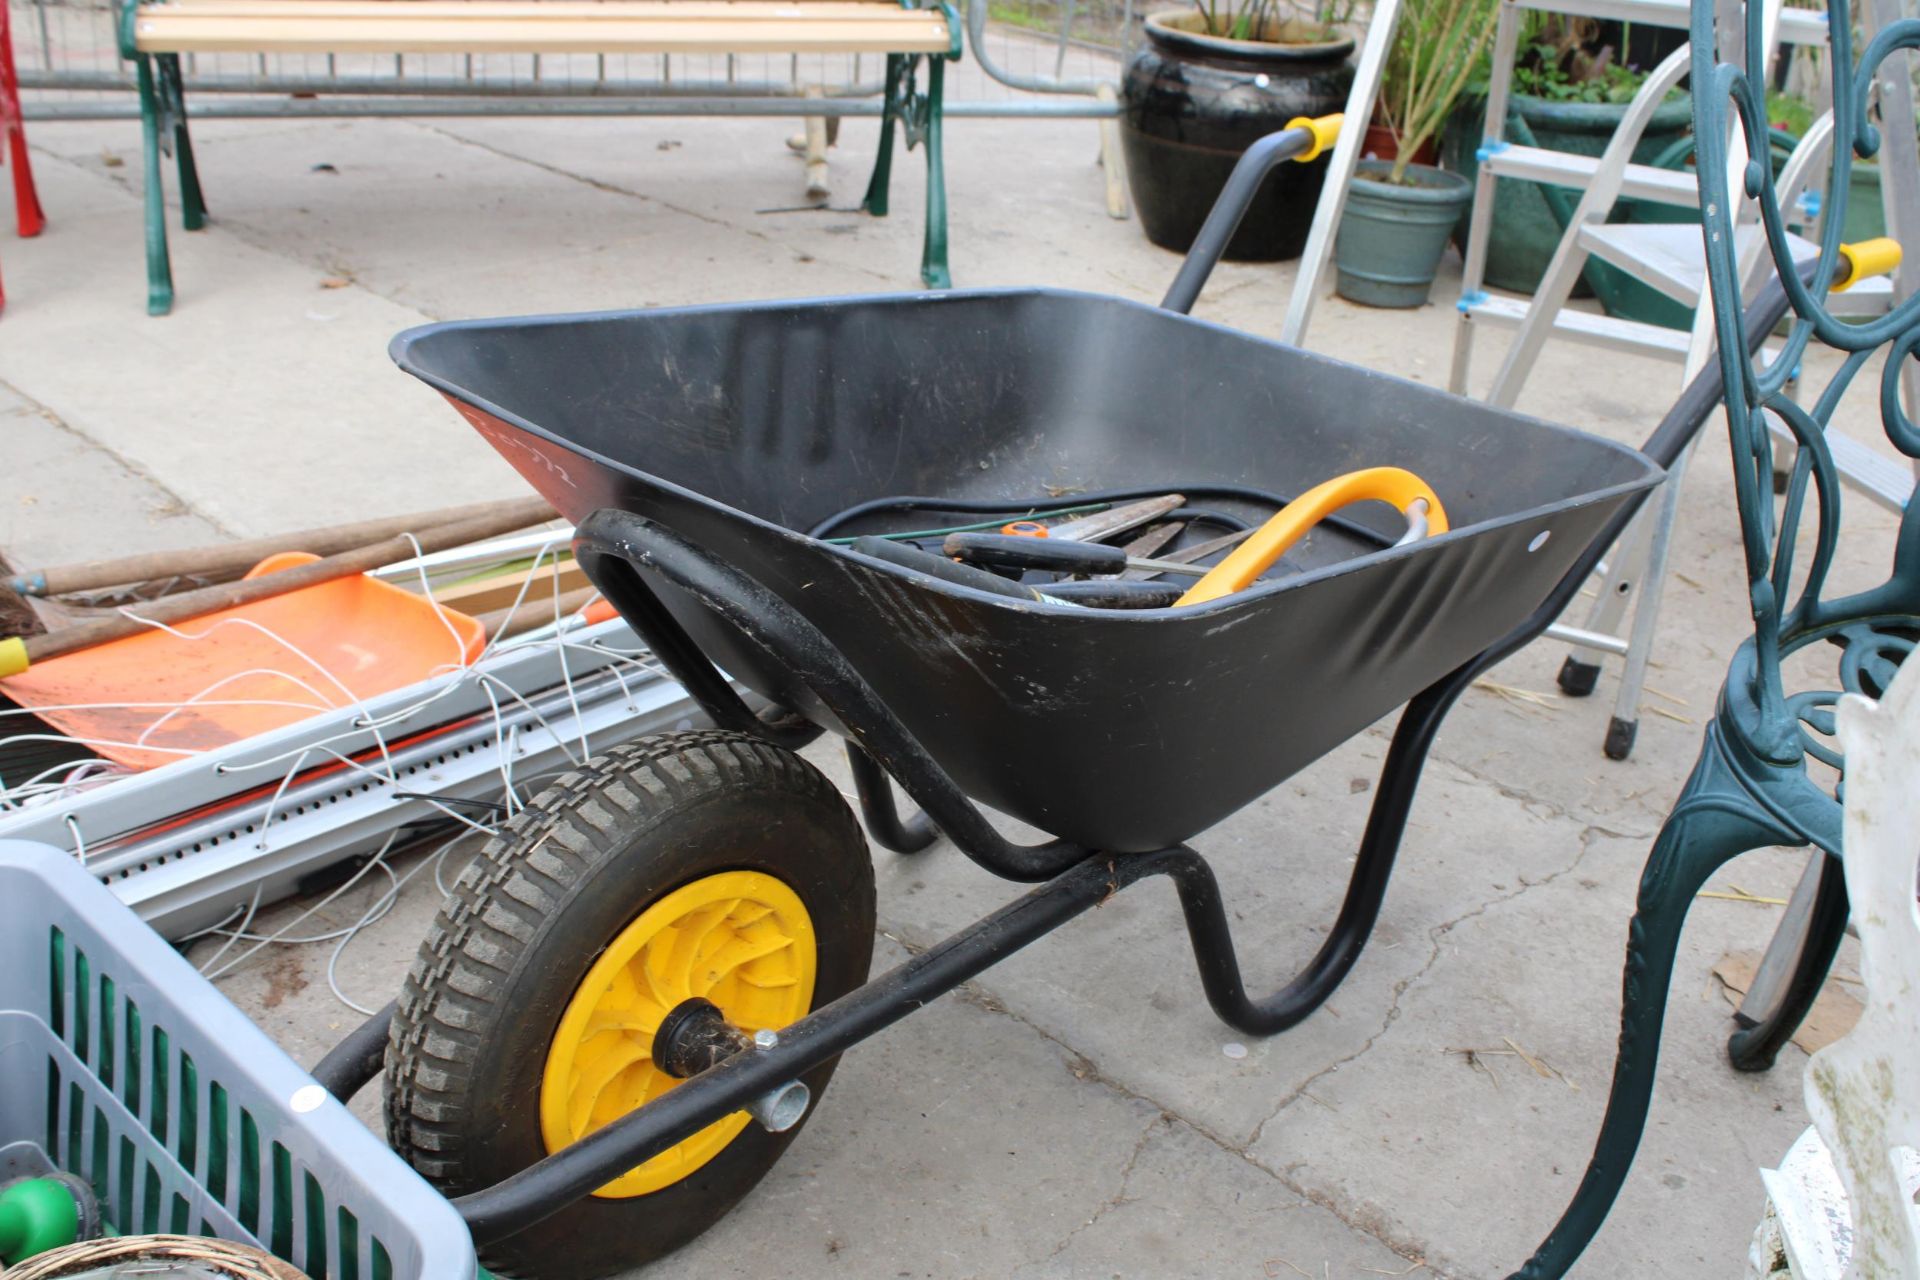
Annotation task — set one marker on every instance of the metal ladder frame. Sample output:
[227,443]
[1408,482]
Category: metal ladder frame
[1636,571]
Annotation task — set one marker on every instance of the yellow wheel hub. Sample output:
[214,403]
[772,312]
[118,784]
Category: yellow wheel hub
[741,939]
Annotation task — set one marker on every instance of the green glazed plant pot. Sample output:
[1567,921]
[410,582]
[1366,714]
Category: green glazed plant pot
[1391,236]
[1525,232]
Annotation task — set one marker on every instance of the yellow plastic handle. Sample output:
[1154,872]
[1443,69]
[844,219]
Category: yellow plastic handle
[1325,130]
[13,656]
[1271,541]
[1875,257]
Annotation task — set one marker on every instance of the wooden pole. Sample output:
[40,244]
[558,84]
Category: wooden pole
[237,557]
[16,654]
[538,611]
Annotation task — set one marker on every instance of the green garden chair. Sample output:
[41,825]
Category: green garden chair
[1758,780]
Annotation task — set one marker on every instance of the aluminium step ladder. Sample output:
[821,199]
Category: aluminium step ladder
[1665,256]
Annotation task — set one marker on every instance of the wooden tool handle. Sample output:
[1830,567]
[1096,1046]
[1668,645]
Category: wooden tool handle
[237,557]
[15,654]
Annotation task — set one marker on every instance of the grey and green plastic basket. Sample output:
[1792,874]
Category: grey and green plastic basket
[120,1063]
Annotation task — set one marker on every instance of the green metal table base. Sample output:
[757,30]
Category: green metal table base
[1717,818]
[1752,786]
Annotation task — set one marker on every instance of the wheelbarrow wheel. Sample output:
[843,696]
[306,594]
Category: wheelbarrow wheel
[697,864]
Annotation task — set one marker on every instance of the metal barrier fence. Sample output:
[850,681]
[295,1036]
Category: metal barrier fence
[1025,58]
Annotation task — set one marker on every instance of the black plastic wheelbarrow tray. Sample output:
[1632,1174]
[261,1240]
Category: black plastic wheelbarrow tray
[695,448]
[737,428]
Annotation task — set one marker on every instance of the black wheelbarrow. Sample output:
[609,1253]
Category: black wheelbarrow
[635,996]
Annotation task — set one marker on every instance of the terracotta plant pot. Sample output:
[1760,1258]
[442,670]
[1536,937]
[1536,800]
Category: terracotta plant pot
[1192,102]
[1380,144]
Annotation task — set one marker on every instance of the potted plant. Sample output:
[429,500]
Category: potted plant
[1571,88]
[1399,213]
[1210,80]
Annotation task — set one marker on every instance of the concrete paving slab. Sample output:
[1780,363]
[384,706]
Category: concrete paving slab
[1540,967]
[1119,984]
[266,402]
[1191,1208]
[53,472]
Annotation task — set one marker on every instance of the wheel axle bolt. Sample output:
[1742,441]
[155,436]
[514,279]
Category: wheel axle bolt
[765,1038]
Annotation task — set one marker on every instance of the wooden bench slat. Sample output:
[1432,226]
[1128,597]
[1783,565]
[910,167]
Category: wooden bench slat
[519,11]
[510,8]
[715,39]
[553,26]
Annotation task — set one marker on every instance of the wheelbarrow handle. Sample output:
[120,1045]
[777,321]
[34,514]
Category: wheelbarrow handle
[1303,139]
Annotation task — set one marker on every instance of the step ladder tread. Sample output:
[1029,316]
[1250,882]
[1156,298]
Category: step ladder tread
[1567,169]
[1585,326]
[1669,257]
[1797,26]
[1887,481]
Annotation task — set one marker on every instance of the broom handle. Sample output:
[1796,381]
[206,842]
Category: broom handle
[538,611]
[16,653]
[235,557]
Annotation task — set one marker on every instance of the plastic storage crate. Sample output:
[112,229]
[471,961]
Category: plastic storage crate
[121,1064]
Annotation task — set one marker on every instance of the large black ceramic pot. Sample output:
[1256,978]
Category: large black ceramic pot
[1191,103]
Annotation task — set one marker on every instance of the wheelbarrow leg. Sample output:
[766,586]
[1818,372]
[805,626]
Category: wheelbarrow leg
[1206,915]
[1714,821]
[877,809]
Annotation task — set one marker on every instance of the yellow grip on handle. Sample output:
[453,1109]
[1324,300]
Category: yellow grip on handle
[1325,131]
[1272,540]
[13,656]
[1874,257]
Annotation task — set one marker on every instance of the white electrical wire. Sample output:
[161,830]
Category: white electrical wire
[377,860]
[330,693]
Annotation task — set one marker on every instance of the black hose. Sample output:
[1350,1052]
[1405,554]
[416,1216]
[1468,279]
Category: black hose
[1027,507]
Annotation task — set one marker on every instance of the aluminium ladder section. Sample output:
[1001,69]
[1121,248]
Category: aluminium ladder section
[1641,555]
[1640,560]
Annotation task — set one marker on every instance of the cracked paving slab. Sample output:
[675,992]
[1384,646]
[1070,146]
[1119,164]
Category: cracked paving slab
[264,403]
[54,473]
[1119,984]
[1189,1207]
[1472,1158]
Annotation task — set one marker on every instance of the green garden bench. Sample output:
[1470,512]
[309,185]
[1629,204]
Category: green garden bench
[154,36]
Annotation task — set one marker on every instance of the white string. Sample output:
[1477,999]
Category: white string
[236,929]
[245,920]
[14,797]
[378,859]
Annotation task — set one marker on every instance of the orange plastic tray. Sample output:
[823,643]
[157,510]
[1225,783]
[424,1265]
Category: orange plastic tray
[152,698]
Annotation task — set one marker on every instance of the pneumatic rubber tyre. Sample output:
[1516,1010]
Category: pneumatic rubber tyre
[524,930]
